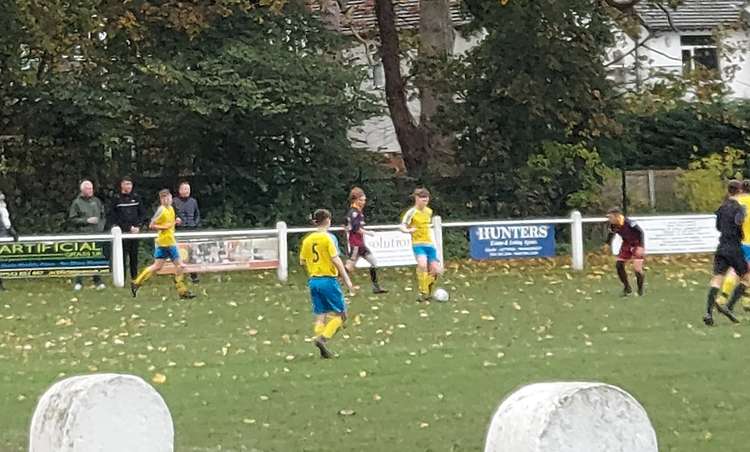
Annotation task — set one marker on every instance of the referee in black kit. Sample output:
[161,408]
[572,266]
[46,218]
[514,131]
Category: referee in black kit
[729,254]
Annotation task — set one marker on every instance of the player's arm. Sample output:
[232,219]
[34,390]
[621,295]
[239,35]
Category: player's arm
[303,254]
[342,271]
[406,221]
[739,216]
[159,227]
[333,251]
[638,232]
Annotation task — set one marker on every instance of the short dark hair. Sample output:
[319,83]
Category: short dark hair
[320,216]
[614,211]
[164,192]
[183,182]
[746,185]
[734,187]
[126,179]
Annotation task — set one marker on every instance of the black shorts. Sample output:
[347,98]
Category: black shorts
[355,252]
[725,259]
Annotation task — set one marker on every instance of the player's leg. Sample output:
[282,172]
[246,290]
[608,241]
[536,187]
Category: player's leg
[423,275]
[640,276]
[740,267]
[179,274]
[721,265]
[741,287]
[369,257]
[318,306]
[333,298]
[435,268]
[625,255]
[353,257]
[146,273]
[727,287]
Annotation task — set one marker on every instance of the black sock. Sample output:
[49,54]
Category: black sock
[739,291]
[623,275]
[640,277]
[711,301]
[374,275]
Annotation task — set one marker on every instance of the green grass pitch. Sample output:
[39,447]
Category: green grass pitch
[241,374]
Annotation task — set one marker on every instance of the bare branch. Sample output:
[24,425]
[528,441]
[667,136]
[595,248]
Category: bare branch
[669,17]
[629,52]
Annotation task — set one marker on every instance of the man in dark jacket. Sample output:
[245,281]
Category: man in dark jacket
[86,214]
[129,213]
[6,227]
[186,209]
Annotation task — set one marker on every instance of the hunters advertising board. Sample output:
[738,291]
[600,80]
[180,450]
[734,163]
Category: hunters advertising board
[676,235]
[222,255]
[53,259]
[512,241]
[390,248]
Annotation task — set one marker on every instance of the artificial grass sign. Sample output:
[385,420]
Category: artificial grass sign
[58,259]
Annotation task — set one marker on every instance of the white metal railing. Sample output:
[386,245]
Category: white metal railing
[281,232]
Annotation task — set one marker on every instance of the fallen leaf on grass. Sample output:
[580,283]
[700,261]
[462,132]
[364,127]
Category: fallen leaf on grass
[159,379]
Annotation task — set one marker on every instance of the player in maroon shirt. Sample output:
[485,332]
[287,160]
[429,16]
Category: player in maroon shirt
[355,229]
[632,249]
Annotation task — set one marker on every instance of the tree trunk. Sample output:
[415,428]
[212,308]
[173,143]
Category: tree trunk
[411,137]
[436,39]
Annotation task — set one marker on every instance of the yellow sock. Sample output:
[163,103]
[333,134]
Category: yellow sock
[332,326]
[431,281]
[179,283]
[727,287]
[423,280]
[143,276]
[319,327]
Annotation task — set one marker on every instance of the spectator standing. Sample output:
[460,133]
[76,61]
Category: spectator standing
[6,227]
[86,214]
[186,208]
[129,213]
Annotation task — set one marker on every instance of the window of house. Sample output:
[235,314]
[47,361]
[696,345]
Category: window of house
[699,51]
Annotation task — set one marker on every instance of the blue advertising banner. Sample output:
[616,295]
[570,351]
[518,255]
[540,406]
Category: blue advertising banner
[512,241]
[61,259]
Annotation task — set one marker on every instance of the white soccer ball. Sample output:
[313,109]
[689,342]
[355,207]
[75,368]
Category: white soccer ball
[441,295]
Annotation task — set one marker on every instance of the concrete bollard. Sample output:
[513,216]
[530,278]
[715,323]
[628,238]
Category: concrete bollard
[570,417]
[102,412]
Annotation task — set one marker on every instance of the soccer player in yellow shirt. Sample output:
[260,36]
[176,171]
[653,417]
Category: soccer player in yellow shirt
[320,257]
[417,222]
[164,221]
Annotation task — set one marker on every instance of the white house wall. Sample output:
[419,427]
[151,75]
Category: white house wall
[741,83]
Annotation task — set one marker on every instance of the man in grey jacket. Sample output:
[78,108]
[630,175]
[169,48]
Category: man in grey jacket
[186,209]
[86,214]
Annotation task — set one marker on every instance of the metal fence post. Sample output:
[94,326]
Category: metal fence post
[118,266]
[283,270]
[576,240]
[437,224]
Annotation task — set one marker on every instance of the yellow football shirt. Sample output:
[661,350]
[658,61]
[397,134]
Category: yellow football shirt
[162,217]
[318,251]
[421,221]
[744,201]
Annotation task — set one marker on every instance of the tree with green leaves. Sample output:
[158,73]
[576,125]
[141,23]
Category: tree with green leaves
[538,76]
[254,102]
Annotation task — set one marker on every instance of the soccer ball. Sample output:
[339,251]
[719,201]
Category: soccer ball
[441,295]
